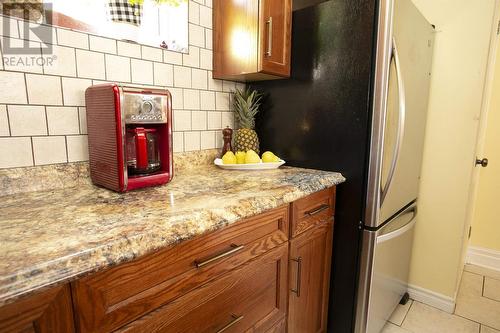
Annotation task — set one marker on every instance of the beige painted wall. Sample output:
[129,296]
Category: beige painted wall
[459,65]
[486,220]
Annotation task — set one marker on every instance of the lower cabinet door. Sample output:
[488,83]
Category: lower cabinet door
[309,280]
[251,298]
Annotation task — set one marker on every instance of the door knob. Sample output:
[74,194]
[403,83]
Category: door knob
[483,162]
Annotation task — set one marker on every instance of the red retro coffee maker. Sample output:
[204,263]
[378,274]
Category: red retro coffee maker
[130,136]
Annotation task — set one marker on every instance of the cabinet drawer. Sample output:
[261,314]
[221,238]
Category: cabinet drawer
[251,298]
[107,301]
[312,210]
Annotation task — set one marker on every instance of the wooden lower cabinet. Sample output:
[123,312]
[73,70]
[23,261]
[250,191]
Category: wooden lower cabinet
[47,312]
[251,298]
[310,261]
[269,273]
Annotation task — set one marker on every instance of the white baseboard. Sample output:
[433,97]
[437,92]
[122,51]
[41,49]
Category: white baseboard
[483,257]
[432,298]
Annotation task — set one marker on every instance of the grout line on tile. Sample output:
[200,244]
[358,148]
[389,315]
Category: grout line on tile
[482,287]
[406,314]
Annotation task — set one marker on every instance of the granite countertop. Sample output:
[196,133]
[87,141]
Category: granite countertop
[48,237]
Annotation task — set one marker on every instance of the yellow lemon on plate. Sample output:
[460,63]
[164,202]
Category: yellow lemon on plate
[252,157]
[240,157]
[269,157]
[229,158]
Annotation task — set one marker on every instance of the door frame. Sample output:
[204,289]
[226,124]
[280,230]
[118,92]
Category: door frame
[481,132]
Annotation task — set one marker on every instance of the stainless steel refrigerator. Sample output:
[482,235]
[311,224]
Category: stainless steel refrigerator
[356,102]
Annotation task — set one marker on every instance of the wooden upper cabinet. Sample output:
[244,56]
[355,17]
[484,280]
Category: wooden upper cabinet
[252,39]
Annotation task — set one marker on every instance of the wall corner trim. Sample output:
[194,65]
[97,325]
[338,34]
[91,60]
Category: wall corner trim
[483,257]
[432,298]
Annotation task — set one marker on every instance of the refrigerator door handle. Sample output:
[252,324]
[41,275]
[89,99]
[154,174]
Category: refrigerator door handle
[398,232]
[401,123]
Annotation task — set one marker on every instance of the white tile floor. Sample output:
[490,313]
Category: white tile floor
[477,309]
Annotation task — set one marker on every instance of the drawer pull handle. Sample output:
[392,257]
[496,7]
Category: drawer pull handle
[317,210]
[234,248]
[235,320]
[299,273]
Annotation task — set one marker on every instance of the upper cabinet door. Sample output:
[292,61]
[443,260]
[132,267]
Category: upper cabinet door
[251,39]
[275,32]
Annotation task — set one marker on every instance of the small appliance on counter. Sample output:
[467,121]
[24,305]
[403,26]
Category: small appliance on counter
[130,136]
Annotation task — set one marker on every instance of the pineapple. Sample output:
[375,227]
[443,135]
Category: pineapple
[246,105]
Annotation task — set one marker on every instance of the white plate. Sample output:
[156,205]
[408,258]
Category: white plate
[249,166]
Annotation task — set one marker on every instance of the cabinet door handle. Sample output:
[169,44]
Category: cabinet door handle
[299,273]
[233,322]
[234,248]
[269,24]
[317,210]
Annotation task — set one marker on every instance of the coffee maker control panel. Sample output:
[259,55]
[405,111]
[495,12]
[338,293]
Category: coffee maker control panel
[145,108]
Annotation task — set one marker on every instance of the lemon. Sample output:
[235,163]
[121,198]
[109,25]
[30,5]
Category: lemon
[229,158]
[240,157]
[269,157]
[252,157]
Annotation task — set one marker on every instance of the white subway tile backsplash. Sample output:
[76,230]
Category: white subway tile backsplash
[191,99]
[37,32]
[63,61]
[26,120]
[228,86]
[194,12]
[214,120]
[207,140]
[90,64]
[207,100]
[164,74]
[72,38]
[182,120]
[191,141]
[222,101]
[128,49]
[206,59]
[49,149]
[4,121]
[12,88]
[227,119]
[174,58]
[192,59]
[44,89]
[82,116]
[219,141]
[63,120]
[8,27]
[208,39]
[182,77]
[177,98]
[178,142]
[117,68]
[142,71]
[74,90]
[15,152]
[77,148]
[199,120]
[200,79]
[102,44]
[196,35]
[214,84]
[42,108]
[19,61]
[152,53]
[206,17]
